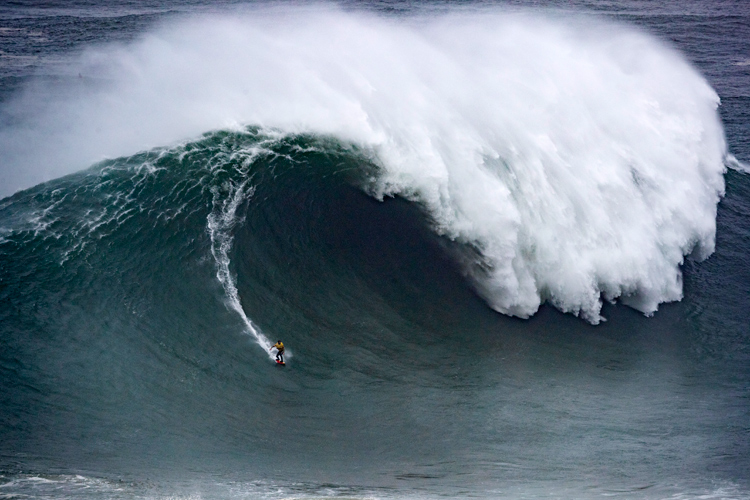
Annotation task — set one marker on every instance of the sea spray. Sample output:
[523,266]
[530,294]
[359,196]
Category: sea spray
[582,160]
[735,164]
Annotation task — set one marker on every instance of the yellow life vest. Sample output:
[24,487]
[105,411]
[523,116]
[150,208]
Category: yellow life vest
[279,346]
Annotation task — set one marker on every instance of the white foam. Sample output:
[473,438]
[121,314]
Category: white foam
[221,222]
[735,164]
[582,159]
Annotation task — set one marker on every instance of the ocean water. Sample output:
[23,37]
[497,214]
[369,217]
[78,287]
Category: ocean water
[505,244]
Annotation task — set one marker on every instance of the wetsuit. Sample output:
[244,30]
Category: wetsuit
[280,348]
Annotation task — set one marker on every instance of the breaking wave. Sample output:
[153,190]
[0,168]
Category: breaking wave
[581,161]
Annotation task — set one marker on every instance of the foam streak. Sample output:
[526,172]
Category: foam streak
[221,222]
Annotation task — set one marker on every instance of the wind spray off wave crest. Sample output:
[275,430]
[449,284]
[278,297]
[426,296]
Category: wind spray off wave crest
[581,160]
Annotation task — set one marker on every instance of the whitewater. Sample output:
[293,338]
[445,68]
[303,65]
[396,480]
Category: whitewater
[583,161]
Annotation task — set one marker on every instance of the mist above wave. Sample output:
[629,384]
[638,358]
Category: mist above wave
[581,159]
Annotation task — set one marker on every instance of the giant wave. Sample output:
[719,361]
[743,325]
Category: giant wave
[581,161]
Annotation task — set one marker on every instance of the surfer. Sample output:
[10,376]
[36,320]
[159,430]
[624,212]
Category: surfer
[279,345]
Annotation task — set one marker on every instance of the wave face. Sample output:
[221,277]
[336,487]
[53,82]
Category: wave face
[129,288]
[139,298]
[581,161]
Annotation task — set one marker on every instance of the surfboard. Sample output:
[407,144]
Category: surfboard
[280,363]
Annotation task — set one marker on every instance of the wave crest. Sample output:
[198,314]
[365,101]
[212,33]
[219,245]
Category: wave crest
[581,159]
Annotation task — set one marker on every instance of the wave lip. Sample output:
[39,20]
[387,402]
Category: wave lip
[582,160]
[581,163]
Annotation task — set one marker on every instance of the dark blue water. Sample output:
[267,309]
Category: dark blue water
[505,246]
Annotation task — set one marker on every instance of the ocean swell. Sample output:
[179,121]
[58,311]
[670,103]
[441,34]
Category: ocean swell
[582,160]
